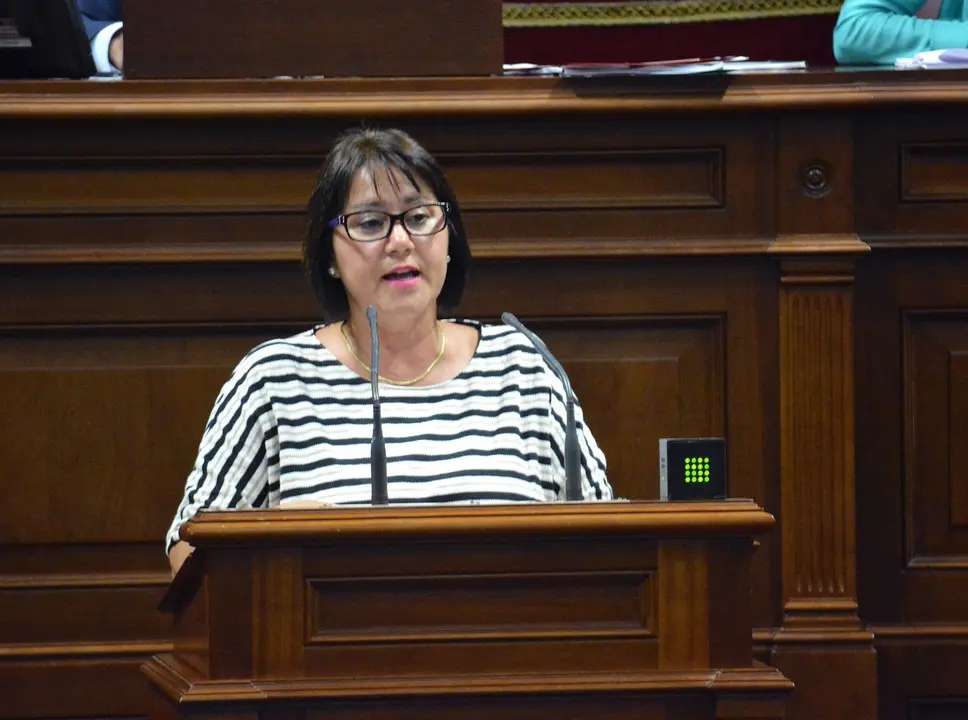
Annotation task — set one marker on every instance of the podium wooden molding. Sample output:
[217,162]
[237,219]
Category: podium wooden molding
[620,609]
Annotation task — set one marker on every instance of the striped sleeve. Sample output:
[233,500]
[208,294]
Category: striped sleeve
[595,485]
[232,466]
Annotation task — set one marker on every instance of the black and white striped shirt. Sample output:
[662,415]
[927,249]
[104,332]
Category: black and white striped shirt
[293,423]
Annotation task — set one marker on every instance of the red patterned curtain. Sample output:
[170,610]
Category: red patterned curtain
[603,31]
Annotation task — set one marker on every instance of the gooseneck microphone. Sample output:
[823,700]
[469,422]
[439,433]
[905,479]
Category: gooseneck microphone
[572,472]
[378,449]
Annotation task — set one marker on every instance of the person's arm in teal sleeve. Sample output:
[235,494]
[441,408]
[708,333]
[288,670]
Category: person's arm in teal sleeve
[877,32]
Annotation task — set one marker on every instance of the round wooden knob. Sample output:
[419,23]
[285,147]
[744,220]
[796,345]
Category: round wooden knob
[815,179]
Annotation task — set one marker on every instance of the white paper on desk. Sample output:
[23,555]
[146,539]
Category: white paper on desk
[699,68]
[951,58]
[532,70]
[759,66]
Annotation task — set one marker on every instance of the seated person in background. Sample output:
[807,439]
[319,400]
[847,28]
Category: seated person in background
[471,412]
[878,32]
[102,18]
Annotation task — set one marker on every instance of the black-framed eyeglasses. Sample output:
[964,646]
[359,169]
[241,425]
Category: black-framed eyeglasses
[373,225]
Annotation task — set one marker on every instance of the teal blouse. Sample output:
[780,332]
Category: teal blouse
[877,32]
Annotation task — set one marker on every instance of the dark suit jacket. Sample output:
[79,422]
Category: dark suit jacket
[98,14]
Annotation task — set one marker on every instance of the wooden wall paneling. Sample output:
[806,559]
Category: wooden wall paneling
[106,685]
[72,395]
[200,190]
[935,709]
[913,355]
[821,632]
[879,426]
[911,379]
[157,184]
[932,181]
[936,430]
[575,187]
[101,428]
[921,673]
[933,570]
[752,422]
[910,319]
[207,190]
[912,187]
[116,300]
[667,375]
[815,177]
[933,376]
[683,348]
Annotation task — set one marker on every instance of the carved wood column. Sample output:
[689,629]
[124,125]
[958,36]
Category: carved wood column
[822,645]
[822,641]
[817,445]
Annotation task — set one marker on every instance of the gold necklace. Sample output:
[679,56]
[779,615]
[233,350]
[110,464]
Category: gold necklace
[403,383]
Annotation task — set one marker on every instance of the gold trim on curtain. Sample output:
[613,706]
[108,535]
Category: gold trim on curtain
[658,12]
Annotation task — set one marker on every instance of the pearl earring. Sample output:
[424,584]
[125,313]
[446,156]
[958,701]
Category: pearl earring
[333,272]
[448,258]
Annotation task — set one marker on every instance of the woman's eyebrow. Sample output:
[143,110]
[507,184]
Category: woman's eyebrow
[413,199]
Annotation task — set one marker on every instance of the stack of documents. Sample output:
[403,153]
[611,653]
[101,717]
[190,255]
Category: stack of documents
[686,66]
[954,58]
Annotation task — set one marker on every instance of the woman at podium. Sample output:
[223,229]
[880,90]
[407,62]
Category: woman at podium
[471,413]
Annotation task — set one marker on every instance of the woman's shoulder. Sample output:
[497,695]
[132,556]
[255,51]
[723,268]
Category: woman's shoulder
[493,335]
[502,344]
[300,349]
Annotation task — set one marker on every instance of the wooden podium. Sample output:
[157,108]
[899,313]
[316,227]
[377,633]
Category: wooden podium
[607,611]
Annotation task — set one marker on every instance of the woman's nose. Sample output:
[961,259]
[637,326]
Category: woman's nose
[398,239]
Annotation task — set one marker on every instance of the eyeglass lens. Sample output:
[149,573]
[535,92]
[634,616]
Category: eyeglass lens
[376,225]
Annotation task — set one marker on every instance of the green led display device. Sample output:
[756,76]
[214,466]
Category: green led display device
[692,469]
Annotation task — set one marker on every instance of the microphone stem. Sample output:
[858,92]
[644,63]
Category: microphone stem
[573,490]
[378,462]
[378,450]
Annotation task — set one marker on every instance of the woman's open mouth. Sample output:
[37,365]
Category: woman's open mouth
[402,276]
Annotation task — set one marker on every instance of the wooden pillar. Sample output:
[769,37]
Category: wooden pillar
[822,645]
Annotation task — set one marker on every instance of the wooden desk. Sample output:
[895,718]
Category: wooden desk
[604,610]
[775,259]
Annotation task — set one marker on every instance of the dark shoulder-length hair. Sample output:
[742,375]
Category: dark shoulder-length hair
[377,150]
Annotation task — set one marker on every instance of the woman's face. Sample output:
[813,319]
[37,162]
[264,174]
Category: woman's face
[401,275]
